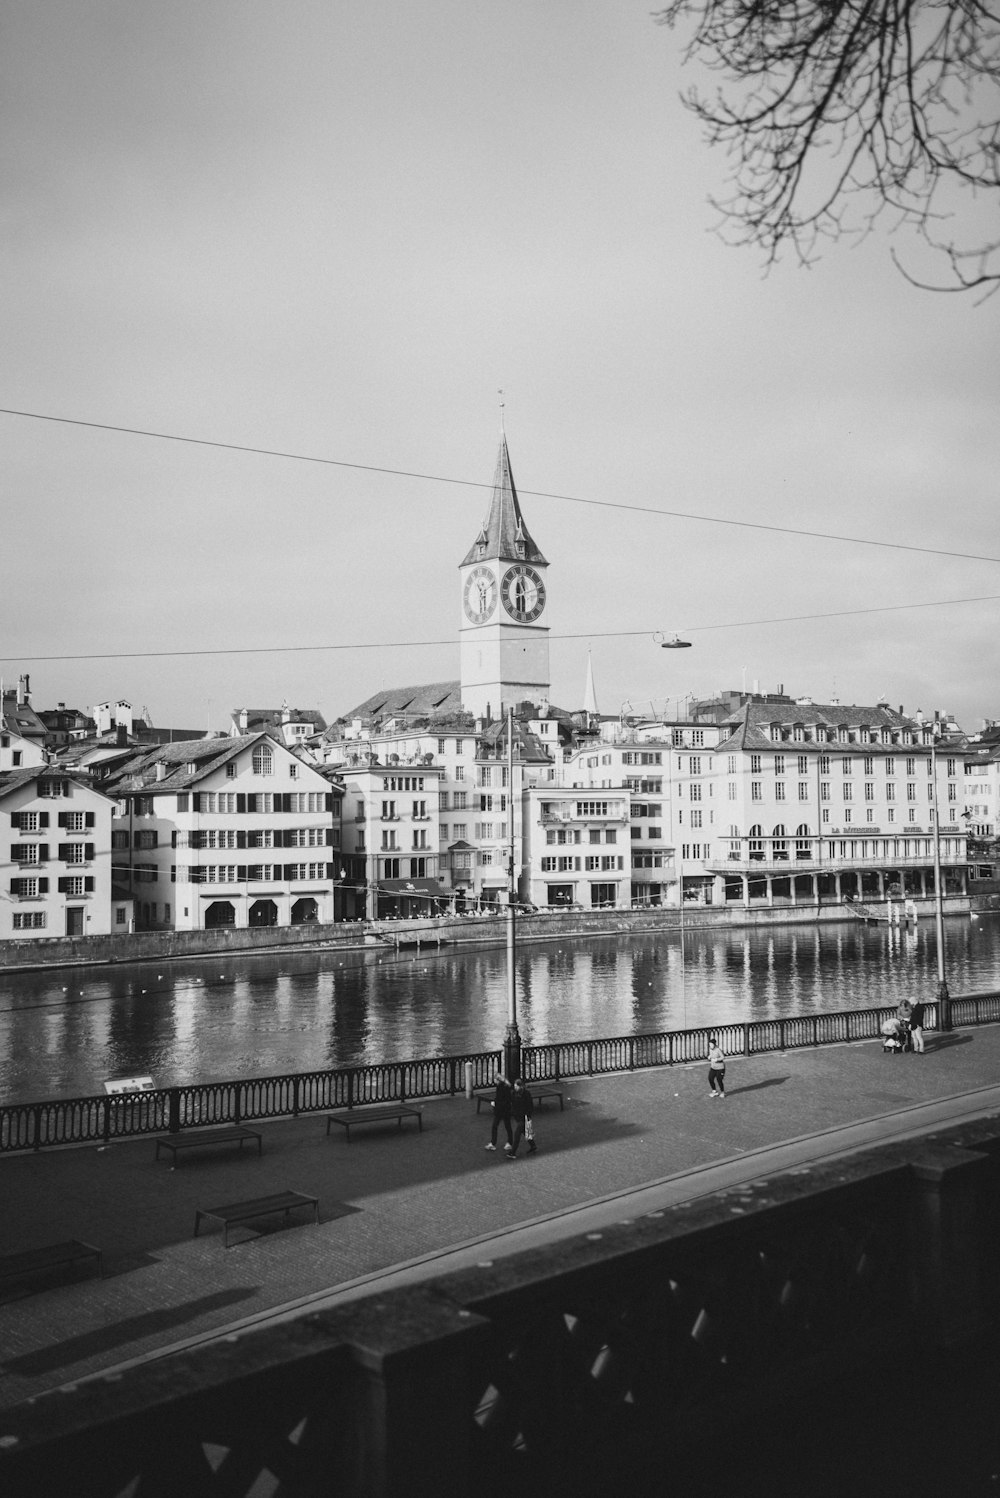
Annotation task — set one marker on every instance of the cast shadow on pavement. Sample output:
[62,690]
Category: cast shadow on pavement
[151,1323]
[756,1086]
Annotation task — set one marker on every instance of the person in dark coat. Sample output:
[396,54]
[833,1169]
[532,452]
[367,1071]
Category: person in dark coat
[522,1110]
[917,1027]
[501,1111]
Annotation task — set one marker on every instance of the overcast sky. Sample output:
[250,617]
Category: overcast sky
[336,230]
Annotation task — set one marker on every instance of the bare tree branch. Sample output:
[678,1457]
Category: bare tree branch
[835,112]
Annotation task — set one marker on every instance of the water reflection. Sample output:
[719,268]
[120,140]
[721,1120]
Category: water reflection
[61,1036]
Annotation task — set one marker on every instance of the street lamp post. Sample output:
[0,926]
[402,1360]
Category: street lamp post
[512,1036]
[943,996]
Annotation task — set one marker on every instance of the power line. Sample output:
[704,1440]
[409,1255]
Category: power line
[436,478]
[590,634]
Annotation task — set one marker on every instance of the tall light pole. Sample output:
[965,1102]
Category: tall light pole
[943,996]
[676,643]
[512,1037]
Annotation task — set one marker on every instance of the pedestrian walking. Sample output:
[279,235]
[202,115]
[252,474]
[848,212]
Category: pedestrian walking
[522,1110]
[501,1111]
[917,1027]
[716,1069]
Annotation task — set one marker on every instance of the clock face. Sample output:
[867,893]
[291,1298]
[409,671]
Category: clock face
[523,594]
[480,596]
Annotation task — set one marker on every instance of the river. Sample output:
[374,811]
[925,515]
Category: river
[64,1032]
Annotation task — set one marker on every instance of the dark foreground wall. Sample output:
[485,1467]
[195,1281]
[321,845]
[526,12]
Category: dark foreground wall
[826,1331]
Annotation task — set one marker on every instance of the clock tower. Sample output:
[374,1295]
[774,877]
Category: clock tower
[504,632]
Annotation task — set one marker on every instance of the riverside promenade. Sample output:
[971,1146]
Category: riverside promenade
[396,1205]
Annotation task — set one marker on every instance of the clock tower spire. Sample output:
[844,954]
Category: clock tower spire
[504,634]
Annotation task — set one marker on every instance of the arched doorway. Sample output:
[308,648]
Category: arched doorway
[263,913]
[219,913]
[304,910]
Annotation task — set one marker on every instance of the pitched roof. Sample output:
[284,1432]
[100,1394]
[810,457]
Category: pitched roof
[184,763]
[751,726]
[11,780]
[503,535]
[274,717]
[431,700]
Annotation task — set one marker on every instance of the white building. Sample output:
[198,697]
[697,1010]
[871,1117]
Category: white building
[226,832]
[55,844]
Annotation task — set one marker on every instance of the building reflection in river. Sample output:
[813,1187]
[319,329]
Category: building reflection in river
[62,1034]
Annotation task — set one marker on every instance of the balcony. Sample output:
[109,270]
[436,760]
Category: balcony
[811,863]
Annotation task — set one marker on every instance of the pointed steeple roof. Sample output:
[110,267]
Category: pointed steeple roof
[589,694]
[503,535]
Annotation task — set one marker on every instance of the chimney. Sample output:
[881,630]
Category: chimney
[23,691]
[161,770]
[244,719]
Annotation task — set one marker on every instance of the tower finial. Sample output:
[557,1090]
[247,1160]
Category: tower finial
[502,431]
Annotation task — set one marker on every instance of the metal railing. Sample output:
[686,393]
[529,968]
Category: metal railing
[90,1120]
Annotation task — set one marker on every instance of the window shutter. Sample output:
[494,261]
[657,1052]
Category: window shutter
[156,839]
[43,886]
[288,871]
[196,801]
[135,840]
[88,820]
[43,852]
[329,801]
[88,886]
[182,800]
[43,819]
[61,819]
[329,837]
[88,853]
[63,850]
[252,800]
[241,873]
[241,801]
[61,885]
[241,839]
[329,871]
[173,839]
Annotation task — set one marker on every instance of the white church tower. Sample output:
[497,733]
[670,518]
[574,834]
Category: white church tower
[504,632]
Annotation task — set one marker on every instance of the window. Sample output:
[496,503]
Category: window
[755,763]
[27,821]
[459,772]
[756,790]
[779,764]
[824,790]
[869,765]
[890,766]
[24,852]
[803,790]
[231,770]
[72,852]
[779,790]
[29,920]
[694,764]
[824,764]
[848,790]
[610,835]
[460,831]
[293,771]
[263,760]
[695,791]
[911,791]
[696,819]
[803,764]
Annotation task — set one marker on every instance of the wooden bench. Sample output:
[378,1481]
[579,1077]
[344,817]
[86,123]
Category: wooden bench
[378,1113]
[538,1095]
[196,1138]
[25,1266]
[260,1206]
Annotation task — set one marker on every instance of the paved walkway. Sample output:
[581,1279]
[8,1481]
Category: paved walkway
[400,1204]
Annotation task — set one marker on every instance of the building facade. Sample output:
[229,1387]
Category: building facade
[55,844]
[221,832]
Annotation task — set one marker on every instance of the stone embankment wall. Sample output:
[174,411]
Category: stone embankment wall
[158,946]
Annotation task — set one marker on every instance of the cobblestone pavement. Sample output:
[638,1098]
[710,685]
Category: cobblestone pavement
[393,1197]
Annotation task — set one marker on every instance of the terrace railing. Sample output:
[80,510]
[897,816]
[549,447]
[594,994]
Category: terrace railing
[90,1120]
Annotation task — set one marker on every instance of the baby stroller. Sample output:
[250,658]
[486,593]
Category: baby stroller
[895,1037]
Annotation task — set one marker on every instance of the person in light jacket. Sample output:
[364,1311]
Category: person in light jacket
[716,1069]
